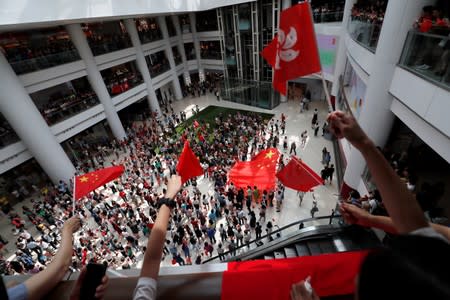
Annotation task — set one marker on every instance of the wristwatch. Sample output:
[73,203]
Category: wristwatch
[170,203]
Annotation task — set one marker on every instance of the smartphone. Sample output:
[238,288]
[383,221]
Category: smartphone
[94,275]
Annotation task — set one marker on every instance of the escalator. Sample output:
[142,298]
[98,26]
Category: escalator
[292,241]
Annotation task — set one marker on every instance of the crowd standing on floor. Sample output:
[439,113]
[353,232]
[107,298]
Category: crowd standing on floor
[118,217]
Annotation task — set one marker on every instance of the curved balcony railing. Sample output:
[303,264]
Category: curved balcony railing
[428,56]
[327,17]
[44,62]
[290,228]
[365,33]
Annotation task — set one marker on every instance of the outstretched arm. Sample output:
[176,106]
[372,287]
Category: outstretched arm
[355,215]
[155,244]
[400,203]
[43,282]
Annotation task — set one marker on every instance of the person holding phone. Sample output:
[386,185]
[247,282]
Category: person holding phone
[146,286]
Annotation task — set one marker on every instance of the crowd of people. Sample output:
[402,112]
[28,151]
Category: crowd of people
[119,216]
[328,12]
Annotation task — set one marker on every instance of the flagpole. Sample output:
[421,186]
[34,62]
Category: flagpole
[327,94]
[73,193]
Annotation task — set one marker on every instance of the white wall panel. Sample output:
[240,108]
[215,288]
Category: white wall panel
[363,57]
[434,138]
[438,111]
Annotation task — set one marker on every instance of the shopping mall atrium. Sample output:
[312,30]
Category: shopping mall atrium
[90,84]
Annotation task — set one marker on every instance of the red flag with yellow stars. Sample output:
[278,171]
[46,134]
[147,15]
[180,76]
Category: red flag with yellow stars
[260,171]
[90,181]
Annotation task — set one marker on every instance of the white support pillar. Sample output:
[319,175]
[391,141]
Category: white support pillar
[376,117]
[176,24]
[341,54]
[169,54]
[142,65]
[26,120]
[201,71]
[285,4]
[95,79]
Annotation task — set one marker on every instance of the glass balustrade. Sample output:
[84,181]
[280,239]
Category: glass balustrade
[365,32]
[428,55]
[326,17]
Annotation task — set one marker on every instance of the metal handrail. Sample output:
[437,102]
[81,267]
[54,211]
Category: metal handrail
[330,217]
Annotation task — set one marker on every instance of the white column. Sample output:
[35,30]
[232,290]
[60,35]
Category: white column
[201,71]
[142,65]
[176,24]
[169,54]
[95,79]
[341,53]
[26,120]
[376,117]
[285,4]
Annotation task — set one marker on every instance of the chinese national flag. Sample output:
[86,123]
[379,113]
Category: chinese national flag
[298,176]
[260,171]
[90,181]
[293,52]
[188,164]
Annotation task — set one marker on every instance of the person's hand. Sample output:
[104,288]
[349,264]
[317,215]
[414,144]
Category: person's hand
[299,291]
[173,186]
[344,125]
[72,225]
[99,291]
[354,215]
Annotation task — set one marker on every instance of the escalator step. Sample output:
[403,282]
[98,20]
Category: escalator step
[279,254]
[314,248]
[327,246]
[267,257]
[290,252]
[302,249]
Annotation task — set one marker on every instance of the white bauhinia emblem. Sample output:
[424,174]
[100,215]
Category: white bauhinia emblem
[285,44]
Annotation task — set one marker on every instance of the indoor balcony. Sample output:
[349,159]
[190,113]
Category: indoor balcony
[427,55]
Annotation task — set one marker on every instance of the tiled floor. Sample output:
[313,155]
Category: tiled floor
[311,154]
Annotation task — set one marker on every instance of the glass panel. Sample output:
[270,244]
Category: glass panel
[206,21]
[7,135]
[170,26]
[210,50]
[33,50]
[121,78]
[190,51]
[148,30]
[365,22]
[254,93]
[428,55]
[65,100]
[327,11]
[105,37]
[185,23]
[157,63]
[176,55]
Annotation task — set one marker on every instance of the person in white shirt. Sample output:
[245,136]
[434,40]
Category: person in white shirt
[146,286]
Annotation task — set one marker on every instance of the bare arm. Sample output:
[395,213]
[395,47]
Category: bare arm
[43,282]
[355,215]
[155,244]
[400,203]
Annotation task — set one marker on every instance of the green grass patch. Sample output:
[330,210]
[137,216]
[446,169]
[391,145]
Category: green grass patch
[209,114]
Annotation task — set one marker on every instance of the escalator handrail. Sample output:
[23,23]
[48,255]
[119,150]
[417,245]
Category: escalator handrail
[330,217]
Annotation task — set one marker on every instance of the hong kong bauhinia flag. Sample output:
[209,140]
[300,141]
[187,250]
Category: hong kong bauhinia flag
[90,181]
[293,52]
[188,164]
[260,171]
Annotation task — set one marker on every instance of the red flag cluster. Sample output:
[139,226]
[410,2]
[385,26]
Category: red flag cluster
[260,171]
[90,181]
[298,176]
[293,52]
[188,164]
